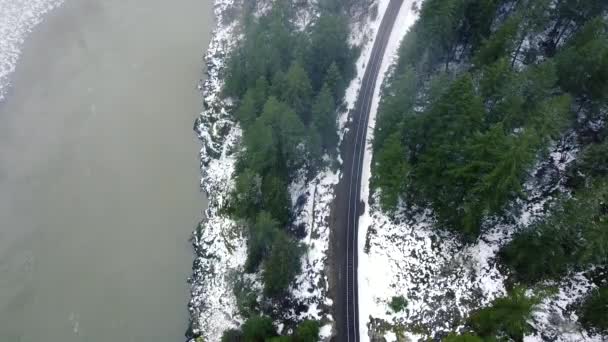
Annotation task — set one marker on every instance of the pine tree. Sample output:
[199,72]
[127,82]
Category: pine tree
[298,92]
[261,147]
[324,118]
[258,329]
[391,172]
[260,239]
[282,265]
[335,82]
[276,198]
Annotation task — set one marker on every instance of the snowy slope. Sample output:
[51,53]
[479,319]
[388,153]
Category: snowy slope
[219,245]
[442,279]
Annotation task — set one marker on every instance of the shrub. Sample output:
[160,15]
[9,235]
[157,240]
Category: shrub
[230,335]
[507,316]
[307,331]
[467,337]
[258,329]
[398,303]
[594,311]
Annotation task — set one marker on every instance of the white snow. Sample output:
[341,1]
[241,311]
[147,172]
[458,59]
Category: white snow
[17,19]
[219,243]
[364,36]
[311,286]
[378,268]
[554,318]
[441,278]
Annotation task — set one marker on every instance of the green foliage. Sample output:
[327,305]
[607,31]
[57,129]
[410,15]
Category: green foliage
[574,235]
[286,84]
[398,303]
[324,118]
[583,65]
[396,100]
[247,196]
[262,154]
[391,172]
[307,331]
[282,265]
[298,91]
[258,329]
[335,82]
[592,163]
[329,45]
[246,296]
[232,335]
[276,199]
[463,141]
[287,133]
[467,337]
[261,236]
[500,43]
[594,311]
[281,339]
[507,316]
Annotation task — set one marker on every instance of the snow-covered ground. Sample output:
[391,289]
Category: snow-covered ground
[310,291]
[441,278]
[367,266]
[218,242]
[17,19]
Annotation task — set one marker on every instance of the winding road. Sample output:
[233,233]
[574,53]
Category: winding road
[348,206]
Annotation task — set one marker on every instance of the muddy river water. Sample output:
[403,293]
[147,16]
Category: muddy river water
[99,172]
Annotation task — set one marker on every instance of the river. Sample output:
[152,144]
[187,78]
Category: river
[99,172]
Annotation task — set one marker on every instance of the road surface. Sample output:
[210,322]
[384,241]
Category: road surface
[348,206]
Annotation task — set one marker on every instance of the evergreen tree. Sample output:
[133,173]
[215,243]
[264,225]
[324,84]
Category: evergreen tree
[335,82]
[282,265]
[329,45]
[258,329]
[288,135]
[583,66]
[298,92]
[276,198]
[507,316]
[594,311]
[261,145]
[307,331]
[247,195]
[324,118]
[261,236]
[247,111]
[391,172]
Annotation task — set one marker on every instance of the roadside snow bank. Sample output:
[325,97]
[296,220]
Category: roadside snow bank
[367,267]
[312,201]
[363,34]
[17,19]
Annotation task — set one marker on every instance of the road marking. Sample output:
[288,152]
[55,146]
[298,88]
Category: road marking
[359,140]
[370,85]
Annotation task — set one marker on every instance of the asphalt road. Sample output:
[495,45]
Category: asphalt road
[348,206]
